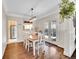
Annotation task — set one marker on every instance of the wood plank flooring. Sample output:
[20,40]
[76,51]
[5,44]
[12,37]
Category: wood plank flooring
[17,51]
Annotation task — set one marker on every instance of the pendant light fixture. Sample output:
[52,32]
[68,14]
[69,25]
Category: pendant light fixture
[33,18]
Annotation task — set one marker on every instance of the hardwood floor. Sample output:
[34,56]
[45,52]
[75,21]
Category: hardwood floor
[17,51]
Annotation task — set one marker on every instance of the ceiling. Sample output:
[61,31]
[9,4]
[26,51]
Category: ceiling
[22,7]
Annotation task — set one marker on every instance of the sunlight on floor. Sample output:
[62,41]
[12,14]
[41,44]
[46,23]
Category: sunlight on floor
[12,41]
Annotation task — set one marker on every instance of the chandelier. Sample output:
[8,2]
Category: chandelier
[33,18]
[28,23]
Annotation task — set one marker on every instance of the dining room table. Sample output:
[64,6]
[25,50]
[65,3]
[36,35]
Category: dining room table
[34,39]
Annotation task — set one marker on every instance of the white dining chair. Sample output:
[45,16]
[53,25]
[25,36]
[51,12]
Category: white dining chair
[26,36]
[41,43]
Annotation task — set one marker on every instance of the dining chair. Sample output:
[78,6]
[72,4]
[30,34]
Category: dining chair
[26,36]
[41,43]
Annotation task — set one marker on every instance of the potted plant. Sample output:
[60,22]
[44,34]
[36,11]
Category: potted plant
[67,9]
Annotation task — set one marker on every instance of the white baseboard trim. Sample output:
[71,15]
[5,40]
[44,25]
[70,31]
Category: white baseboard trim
[69,54]
[55,42]
[15,41]
[20,41]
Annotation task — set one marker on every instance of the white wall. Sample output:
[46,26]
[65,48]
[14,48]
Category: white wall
[20,32]
[4,32]
[43,22]
[70,38]
[66,36]
[40,24]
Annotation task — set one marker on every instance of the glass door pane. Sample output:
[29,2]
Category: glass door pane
[13,32]
[53,30]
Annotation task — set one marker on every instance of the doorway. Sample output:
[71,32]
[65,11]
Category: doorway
[12,31]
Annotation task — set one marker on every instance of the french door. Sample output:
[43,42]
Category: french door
[50,30]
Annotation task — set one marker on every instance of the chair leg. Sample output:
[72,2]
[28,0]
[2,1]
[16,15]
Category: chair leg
[28,45]
[44,45]
[25,45]
[34,48]
[38,49]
